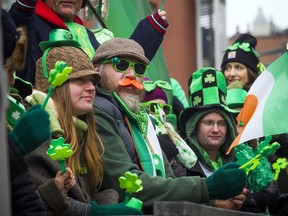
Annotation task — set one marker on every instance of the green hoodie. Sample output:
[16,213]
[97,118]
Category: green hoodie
[191,130]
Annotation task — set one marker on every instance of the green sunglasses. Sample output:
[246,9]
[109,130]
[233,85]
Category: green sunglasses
[122,65]
[152,107]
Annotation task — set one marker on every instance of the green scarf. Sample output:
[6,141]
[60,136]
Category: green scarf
[147,147]
[215,164]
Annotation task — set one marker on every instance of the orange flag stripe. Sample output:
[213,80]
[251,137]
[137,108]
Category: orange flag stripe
[250,105]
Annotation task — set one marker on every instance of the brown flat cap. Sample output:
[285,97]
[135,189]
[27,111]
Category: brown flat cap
[120,47]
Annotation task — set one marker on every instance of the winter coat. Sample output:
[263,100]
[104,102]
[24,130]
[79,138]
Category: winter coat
[118,143]
[24,197]
[44,169]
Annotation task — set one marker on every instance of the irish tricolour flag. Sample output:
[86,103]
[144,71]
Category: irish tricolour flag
[265,111]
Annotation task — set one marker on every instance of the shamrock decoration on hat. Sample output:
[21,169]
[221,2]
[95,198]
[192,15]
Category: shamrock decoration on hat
[207,90]
[57,77]
[243,51]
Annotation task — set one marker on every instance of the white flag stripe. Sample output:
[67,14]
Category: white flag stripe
[262,86]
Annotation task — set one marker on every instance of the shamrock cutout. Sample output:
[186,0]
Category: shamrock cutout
[258,168]
[244,155]
[264,149]
[245,46]
[267,151]
[130,182]
[59,74]
[59,151]
[264,143]
[281,163]
[57,77]
[233,46]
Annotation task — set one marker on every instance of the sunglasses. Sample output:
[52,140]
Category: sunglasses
[122,65]
[152,107]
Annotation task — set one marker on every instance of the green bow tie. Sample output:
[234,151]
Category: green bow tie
[151,85]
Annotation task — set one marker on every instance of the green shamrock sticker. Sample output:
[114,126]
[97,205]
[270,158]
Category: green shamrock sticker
[59,151]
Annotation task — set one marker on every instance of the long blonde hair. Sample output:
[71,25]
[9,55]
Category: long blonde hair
[93,148]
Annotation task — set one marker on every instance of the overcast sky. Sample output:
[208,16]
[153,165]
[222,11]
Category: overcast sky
[243,12]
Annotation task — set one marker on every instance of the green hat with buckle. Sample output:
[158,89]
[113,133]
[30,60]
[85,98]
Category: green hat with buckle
[207,90]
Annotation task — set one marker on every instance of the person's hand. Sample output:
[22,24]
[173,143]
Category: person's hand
[227,182]
[32,130]
[66,181]
[162,14]
[234,203]
[114,209]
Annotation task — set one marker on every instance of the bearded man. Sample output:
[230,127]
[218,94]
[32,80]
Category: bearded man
[130,140]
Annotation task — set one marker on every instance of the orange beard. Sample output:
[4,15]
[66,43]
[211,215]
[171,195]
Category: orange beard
[127,82]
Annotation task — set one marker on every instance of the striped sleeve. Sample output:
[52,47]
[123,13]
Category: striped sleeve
[158,23]
[26,5]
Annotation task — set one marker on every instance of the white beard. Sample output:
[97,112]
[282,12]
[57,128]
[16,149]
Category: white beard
[132,101]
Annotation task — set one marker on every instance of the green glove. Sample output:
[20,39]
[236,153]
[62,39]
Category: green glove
[228,181]
[114,209]
[32,130]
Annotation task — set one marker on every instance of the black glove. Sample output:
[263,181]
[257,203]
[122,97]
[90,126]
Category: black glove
[228,181]
[32,130]
[167,146]
[114,209]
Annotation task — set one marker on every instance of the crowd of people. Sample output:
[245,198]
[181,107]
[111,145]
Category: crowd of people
[114,119]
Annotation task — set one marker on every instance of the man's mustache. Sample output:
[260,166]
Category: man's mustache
[127,82]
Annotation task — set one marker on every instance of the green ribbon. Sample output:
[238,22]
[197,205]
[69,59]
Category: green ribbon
[80,34]
[151,85]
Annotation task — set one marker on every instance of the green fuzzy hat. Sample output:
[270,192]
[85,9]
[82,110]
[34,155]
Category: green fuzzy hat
[207,90]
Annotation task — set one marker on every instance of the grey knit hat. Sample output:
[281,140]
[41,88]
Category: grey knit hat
[120,47]
[73,57]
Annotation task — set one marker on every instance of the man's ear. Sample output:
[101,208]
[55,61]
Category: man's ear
[97,68]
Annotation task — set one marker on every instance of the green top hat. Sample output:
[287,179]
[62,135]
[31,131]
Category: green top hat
[207,90]
[236,98]
[59,37]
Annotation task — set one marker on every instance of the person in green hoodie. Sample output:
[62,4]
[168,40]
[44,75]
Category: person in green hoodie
[208,124]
